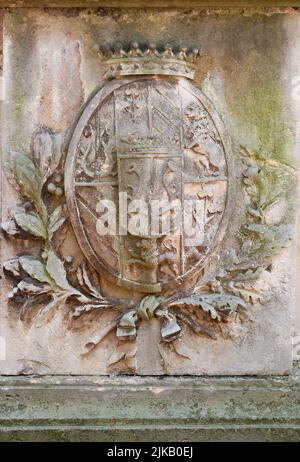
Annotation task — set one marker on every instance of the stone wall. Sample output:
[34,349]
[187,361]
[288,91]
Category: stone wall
[249,70]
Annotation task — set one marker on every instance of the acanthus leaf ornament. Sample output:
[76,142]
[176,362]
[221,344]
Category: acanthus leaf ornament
[147,135]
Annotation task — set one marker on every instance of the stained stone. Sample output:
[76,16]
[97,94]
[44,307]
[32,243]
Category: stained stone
[202,118]
[135,409]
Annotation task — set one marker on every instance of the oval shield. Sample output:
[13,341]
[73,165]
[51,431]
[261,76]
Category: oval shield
[147,182]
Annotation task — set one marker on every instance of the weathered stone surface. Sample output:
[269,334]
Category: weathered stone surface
[148,409]
[49,76]
[146,3]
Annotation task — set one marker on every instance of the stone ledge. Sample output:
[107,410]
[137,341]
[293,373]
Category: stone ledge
[81,408]
[148,4]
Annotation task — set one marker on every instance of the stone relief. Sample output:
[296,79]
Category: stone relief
[152,139]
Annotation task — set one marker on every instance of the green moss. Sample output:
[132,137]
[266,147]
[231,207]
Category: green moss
[19,78]
[264,112]
[257,95]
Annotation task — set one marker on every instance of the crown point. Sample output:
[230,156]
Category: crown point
[193,55]
[134,45]
[133,60]
[105,49]
[182,53]
[118,49]
[151,50]
[134,49]
[168,51]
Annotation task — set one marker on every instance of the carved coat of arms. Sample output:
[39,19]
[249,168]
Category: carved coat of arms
[147,181]
[151,146]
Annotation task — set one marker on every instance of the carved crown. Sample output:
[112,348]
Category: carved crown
[134,60]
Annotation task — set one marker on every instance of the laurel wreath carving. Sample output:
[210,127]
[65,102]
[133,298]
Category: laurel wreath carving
[42,283]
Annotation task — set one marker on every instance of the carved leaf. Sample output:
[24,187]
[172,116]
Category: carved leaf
[26,175]
[32,223]
[265,240]
[259,228]
[249,295]
[213,303]
[56,269]
[36,269]
[10,228]
[56,220]
[227,304]
[202,301]
[47,150]
[208,308]
[267,183]
[12,266]
[79,310]
[85,280]
[250,274]
[32,288]
[79,276]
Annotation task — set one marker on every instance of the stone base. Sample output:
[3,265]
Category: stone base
[138,409]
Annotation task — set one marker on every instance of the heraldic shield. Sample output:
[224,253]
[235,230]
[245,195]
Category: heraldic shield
[142,240]
[147,175]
